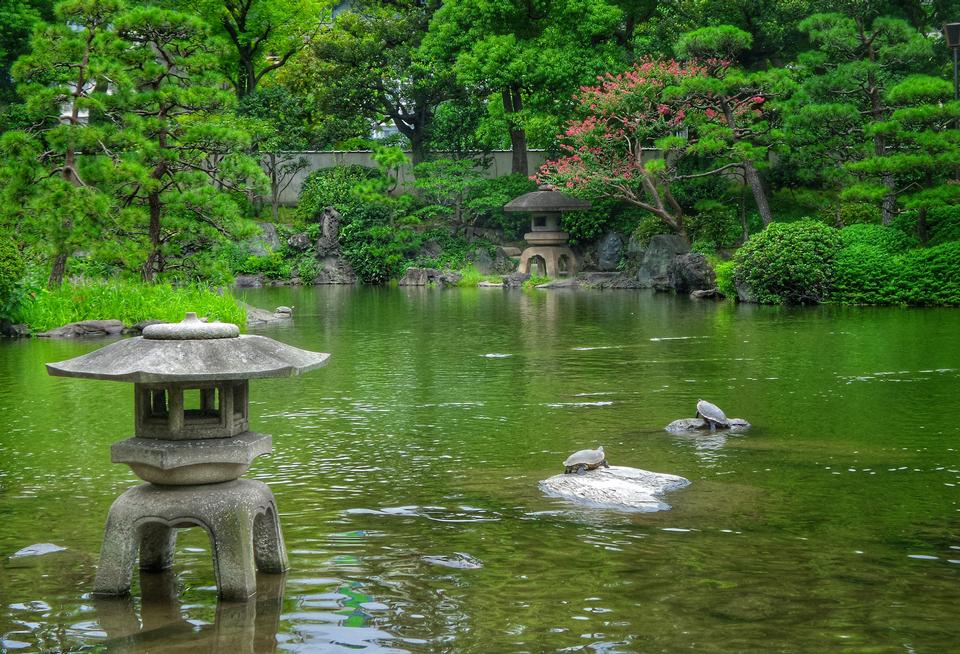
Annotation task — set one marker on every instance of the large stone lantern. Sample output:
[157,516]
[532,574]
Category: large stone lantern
[548,249]
[191,445]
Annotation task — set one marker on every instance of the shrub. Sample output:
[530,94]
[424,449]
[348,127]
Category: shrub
[332,187]
[273,265]
[887,239]
[724,272]
[789,263]
[865,273]
[851,213]
[930,276]
[126,301]
[715,223]
[486,200]
[12,270]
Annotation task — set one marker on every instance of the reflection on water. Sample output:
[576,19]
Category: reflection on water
[406,476]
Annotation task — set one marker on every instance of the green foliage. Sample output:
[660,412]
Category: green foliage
[789,263]
[888,239]
[724,271]
[126,301]
[486,200]
[930,276]
[843,214]
[12,269]
[273,266]
[720,42]
[331,187]
[534,281]
[378,252]
[716,223]
[470,277]
[454,250]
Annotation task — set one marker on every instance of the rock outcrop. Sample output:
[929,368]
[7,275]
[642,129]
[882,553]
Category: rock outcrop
[616,487]
[427,276]
[85,328]
[657,260]
[687,425]
[609,251]
[691,272]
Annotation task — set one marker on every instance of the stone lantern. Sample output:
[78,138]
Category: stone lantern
[548,249]
[191,444]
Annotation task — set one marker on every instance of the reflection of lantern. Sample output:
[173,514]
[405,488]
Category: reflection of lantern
[548,249]
[191,445]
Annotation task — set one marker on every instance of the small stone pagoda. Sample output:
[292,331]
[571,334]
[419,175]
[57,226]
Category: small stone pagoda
[191,445]
[548,250]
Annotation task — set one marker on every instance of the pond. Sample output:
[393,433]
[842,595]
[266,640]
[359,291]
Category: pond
[406,474]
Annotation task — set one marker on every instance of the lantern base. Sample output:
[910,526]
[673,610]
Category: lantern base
[239,516]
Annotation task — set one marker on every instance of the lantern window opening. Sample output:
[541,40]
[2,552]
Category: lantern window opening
[202,405]
[539,221]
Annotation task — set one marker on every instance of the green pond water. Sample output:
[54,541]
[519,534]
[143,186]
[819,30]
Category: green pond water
[406,476]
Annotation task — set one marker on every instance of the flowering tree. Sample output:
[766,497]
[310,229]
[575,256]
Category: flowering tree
[654,126]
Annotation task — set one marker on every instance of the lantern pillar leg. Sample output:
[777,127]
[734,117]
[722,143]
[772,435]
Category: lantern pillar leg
[157,543]
[269,551]
[118,553]
[231,536]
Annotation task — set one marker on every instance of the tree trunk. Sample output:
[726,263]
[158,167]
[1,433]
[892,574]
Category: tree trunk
[418,146]
[759,192]
[153,258]
[512,104]
[57,270]
[274,186]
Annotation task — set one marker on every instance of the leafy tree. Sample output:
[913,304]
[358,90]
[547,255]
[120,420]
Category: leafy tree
[369,63]
[857,60]
[183,153]
[530,56]
[658,125]
[923,150]
[262,35]
[51,177]
[17,21]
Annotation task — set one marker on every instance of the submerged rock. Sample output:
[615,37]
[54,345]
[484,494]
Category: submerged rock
[37,550]
[685,425]
[616,487]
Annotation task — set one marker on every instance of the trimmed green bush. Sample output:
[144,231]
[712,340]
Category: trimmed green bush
[865,273]
[888,239]
[332,187]
[789,263]
[930,276]
[126,301]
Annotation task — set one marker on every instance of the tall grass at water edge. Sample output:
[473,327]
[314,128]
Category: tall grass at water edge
[128,302]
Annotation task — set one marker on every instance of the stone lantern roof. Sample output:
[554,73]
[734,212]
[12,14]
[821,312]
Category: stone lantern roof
[545,200]
[190,351]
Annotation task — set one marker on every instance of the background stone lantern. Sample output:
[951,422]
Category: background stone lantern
[191,445]
[548,249]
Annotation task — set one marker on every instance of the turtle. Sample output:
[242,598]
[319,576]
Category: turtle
[580,462]
[712,414]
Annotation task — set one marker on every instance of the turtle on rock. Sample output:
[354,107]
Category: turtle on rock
[714,416]
[580,462]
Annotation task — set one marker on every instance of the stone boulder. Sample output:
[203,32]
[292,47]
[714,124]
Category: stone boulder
[688,425]
[257,317]
[616,487]
[267,241]
[691,272]
[609,252]
[487,264]
[509,251]
[299,242]
[706,294]
[335,270]
[515,280]
[136,329]
[248,281]
[85,328]
[658,260]
[744,292]
[418,276]
[328,243]
[11,330]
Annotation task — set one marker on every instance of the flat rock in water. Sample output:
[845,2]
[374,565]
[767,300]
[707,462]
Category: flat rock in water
[85,328]
[257,316]
[37,550]
[616,487]
[686,425]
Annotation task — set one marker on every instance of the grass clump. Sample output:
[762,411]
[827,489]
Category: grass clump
[128,302]
[535,280]
[471,277]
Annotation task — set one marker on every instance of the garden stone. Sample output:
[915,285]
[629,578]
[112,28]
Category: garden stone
[706,294]
[287,311]
[248,281]
[257,317]
[509,251]
[616,487]
[431,249]
[449,279]
[482,261]
[335,270]
[137,328]
[515,280]
[329,241]
[688,425]
[609,251]
[658,258]
[692,271]
[418,276]
[569,282]
[85,328]
[486,284]
[744,292]
[299,242]
[39,549]
[266,242]
[11,330]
